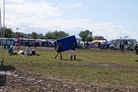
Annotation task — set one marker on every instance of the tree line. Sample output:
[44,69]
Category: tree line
[85,35]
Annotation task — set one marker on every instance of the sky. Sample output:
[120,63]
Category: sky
[112,19]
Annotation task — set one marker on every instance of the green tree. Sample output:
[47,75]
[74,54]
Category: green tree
[40,36]
[34,35]
[85,34]
[56,34]
[89,39]
[19,34]
[49,35]
[63,34]
[59,34]
[8,32]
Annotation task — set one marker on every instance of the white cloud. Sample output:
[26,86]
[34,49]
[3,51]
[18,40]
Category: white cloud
[15,1]
[30,13]
[70,5]
[41,15]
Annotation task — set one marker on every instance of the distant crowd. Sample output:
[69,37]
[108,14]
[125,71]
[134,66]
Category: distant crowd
[27,42]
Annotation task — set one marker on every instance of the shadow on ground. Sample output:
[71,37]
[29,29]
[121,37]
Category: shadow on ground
[136,60]
[3,79]
[72,60]
[3,76]
[6,67]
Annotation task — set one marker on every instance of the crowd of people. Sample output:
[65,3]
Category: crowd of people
[26,52]
[27,42]
[122,47]
[14,50]
[58,46]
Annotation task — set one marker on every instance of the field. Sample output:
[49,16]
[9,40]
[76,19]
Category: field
[93,71]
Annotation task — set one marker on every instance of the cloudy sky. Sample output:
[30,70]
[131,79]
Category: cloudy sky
[109,18]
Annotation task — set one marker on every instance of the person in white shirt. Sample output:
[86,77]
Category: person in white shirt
[27,52]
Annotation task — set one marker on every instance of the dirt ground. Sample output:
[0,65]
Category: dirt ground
[28,83]
[15,81]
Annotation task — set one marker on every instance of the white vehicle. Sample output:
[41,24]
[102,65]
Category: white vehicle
[129,44]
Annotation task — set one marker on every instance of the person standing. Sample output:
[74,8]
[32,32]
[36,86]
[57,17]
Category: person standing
[8,44]
[122,46]
[55,45]
[10,51]
[99,45]
[136,48]
[4,43]
[59,50]
[73,51]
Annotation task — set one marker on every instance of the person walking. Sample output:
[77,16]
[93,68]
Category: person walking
[73,51]
[55,45]
[59,50]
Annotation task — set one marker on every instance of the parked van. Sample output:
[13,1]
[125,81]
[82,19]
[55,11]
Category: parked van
[129,44]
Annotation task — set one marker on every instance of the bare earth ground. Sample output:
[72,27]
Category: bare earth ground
[15,81]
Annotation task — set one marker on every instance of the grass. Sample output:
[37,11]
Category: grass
[101,67]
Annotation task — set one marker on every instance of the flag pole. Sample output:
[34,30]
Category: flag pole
[1,39]
[2,31]
[3,34]
[3,18]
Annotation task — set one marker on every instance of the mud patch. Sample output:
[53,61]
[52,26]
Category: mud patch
[19,82]
[24,83]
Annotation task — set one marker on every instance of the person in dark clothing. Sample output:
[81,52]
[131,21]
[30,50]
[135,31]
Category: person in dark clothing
[122,46]
[136,49]
[55,44]
[99,45]
[27,43]
[34,53]
[59,50]
[73,51]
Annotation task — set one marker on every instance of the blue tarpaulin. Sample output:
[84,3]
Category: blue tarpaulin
[67,42]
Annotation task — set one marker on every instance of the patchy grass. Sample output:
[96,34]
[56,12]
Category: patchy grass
[101,67]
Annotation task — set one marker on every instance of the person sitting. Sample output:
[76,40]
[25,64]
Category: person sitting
[21,52]
[27,52]
[34,52]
